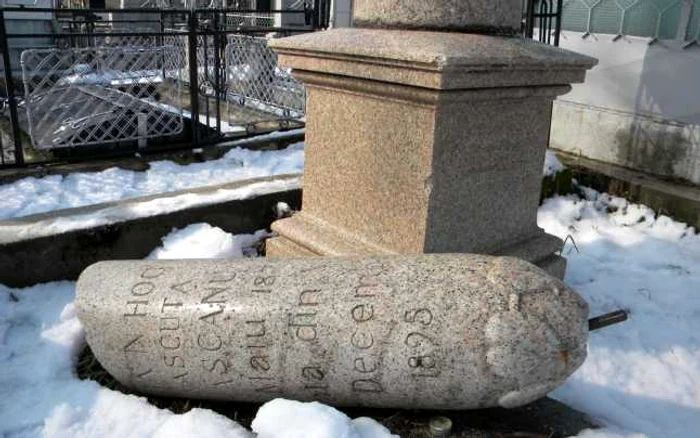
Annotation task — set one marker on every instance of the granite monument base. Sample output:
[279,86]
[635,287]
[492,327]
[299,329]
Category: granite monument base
[424,142]
[304,236]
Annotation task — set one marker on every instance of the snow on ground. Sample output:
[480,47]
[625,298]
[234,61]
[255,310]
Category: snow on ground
[641,379]
[40,338]
[37,195]
[201,241]
[552,164]
[642,375]
[18,230]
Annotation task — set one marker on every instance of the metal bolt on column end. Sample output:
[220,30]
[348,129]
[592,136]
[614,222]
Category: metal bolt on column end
[440,427]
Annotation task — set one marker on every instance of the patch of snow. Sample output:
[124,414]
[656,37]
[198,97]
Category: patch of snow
[552,165]
[111,414]
[269,136]
[84,75]
[608,433]
[282,210]
[41,337]
[641,376]
[37,195]
[119,213]
[200,241]
[282,418]
[224,126]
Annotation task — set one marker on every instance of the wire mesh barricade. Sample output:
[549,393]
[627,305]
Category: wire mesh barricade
[654,19]
[256,82]
[138,79]
[543,20]
[80,97]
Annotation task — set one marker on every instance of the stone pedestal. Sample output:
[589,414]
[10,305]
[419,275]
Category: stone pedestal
[483,16]
[424,142]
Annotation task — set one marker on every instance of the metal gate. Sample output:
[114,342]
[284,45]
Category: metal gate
[545,16]
[125,80]
[82,97]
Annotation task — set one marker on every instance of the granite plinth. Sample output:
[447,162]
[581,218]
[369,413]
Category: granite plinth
[437,60]
[305,235]
[424,142]
[427,331]
[485,16]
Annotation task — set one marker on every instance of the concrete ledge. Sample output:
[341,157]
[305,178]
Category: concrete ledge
[649,144]
[33,249]
[678,200]
[305,235]
[270,141]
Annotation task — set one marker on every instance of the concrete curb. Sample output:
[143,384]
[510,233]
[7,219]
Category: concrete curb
[679,200]
[41,248]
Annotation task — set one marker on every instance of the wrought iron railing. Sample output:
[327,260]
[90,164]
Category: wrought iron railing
[134,80]
[543,20]
[657,20]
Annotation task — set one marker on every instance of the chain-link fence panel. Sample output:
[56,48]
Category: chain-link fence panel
[693,31]
[79,97]
[7,140]
[254,80]
[656,19]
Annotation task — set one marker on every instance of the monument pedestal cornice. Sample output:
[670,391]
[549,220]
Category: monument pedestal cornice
[424,142]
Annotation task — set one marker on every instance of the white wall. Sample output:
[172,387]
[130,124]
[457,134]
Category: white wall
[26,22]
[639,108]
[660,80]
[342,13]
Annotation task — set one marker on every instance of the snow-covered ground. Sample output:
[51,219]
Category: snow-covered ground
[642,375]
[37,195]
[40,338]
[641,379]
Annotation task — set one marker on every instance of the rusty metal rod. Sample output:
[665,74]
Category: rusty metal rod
[607,319]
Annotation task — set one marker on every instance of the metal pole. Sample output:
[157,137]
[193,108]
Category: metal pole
[530,19]
[557,32]
[327,11]
[194,87]
[317,14]
[217,71]
[161,42]
[606,320]
[544,27]
[207,76]
[10,88]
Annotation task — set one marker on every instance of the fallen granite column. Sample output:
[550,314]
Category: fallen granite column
[426,331]
[421,141]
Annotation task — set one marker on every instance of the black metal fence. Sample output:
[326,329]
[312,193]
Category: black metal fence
[545,16]
[106,82]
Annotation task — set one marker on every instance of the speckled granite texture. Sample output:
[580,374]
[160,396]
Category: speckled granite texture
[498,16]
[427,331]
[437,60]
[424,142]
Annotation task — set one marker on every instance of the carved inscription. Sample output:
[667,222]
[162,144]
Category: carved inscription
[138,304]
[171,338]
[422,358]
[366,366]
[258,341]
[304,326]
[215,295]
[303,322]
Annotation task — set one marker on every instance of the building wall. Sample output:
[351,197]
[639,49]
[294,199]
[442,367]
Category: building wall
[26,22]
[639,108]
[662,19]
[342,13]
